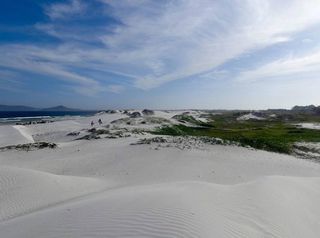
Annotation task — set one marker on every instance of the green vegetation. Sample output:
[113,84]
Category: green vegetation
[272,135]
[184,118]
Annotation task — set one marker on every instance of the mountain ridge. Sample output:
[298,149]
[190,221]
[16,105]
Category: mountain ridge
[27,108]
[60,108]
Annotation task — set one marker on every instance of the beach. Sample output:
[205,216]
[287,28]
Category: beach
[115,179]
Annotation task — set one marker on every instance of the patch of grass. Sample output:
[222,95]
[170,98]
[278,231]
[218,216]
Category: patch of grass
[183,118]
[266,135]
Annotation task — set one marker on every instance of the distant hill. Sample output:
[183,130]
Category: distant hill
[60,108]
[310,109]
[16,108]
[304,108]
[13,108]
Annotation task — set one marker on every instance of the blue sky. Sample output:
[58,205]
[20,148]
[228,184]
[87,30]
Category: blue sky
[246,54]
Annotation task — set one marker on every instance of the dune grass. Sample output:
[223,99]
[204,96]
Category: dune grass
[274,136]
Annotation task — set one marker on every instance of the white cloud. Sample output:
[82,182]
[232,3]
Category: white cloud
[158,41]
[303,67]
[64,10]
[191,37]
[114,88]
[44,62]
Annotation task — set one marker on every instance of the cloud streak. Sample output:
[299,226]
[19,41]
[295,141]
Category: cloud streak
[156,42]
[187,38]
[64,10]
[304,67]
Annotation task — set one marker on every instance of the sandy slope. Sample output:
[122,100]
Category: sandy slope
[249,116]
[268,207]
[24,131]
[11,135]
[109,188]
[25,190]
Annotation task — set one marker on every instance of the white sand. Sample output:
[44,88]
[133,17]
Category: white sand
[12,135]
[269,207]
[24,190]
[109,188]
[314,126]
[24,131]
[249,116]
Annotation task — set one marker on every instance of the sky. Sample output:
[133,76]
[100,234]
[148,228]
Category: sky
[168,54]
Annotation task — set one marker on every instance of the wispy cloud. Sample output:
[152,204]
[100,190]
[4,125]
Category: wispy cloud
[305,66]
[155,42]
[64,10]
[191,37]
[9,81]
[114,88]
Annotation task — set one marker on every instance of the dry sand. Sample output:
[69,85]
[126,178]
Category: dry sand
[110,188]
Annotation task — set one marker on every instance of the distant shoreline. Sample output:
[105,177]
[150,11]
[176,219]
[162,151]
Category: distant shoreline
[13,117]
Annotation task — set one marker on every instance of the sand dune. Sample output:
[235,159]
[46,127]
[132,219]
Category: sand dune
[24,190]
[268,207]
[249,116]
[24,131]
[110,188]
[12,135]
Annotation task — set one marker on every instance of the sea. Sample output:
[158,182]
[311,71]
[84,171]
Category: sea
[16,117]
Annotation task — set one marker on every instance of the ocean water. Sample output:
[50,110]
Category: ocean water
[12,117]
